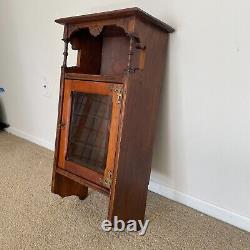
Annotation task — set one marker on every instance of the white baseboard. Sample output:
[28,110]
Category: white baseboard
[202,206]
[31,138]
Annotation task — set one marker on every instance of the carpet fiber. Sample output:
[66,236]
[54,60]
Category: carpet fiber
[31,217]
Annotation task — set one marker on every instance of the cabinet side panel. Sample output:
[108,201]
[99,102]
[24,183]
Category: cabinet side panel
[130,185]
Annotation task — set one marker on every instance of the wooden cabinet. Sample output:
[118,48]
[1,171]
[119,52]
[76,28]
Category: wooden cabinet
[108,107]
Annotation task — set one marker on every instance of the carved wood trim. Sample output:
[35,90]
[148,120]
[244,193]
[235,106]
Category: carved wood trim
[95,30]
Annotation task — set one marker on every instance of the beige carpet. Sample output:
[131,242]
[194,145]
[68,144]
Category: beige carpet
[31,217]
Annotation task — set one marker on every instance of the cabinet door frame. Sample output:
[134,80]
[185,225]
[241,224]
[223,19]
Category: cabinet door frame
[90,87]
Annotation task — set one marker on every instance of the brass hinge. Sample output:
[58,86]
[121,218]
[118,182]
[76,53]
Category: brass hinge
[107,180]
[61,125]
[119,92]
[131,70]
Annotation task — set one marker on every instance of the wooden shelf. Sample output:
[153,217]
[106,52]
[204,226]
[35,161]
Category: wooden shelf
[96,78]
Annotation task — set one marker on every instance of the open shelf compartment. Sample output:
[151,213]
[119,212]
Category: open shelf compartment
[103,54]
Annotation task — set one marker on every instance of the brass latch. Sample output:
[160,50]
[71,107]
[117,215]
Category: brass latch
[119,98]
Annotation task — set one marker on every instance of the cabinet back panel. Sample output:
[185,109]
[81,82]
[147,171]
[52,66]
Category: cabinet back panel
[115,51]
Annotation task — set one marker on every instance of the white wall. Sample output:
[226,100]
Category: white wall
[202,149]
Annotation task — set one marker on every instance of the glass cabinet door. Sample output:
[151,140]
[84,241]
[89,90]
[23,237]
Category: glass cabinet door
[89,129]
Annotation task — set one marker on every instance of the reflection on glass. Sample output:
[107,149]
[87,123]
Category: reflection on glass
[89,130]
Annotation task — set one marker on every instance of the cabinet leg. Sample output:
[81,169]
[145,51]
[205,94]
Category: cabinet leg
[64,186]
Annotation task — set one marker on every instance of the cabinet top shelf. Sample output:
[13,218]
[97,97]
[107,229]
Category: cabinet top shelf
[129,12]
[96,78]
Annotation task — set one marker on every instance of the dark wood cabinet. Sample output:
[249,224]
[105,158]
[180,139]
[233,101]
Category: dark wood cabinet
[108,107]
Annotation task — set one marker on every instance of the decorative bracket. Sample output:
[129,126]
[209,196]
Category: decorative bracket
[137,54]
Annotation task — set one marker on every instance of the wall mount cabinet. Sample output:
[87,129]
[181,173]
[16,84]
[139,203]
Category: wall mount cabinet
[108,107]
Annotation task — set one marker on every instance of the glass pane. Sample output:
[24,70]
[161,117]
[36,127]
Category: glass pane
[89,130]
